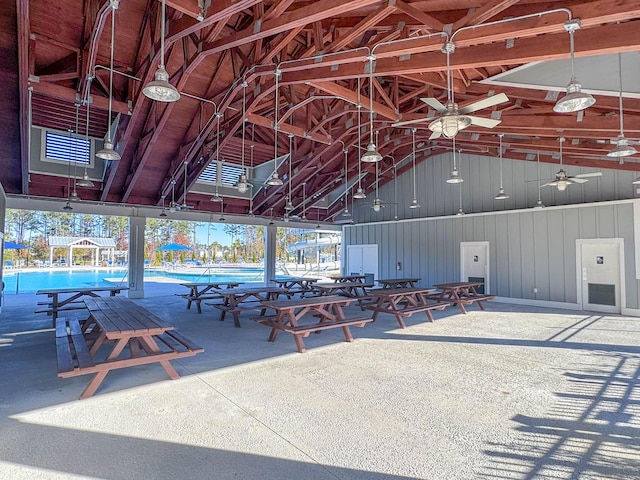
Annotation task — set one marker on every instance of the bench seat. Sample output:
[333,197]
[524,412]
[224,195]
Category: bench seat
[198,300]
[72,351]
[407,311]
[65,308]
[302,331]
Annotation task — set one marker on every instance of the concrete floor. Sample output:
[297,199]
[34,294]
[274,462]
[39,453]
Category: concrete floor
[508,393]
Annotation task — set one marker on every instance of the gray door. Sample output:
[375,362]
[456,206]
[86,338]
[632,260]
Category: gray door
[601,278]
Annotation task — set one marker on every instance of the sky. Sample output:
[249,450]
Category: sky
[209,233]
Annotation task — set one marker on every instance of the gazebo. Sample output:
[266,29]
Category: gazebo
[100,247]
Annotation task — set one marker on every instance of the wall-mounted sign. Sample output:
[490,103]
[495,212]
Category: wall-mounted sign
[599,260]
[475,258]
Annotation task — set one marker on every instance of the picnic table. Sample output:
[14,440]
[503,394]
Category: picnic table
[348,278]
[118,334]
[237,300]
[293,285]
[349,289]
[199,291]
[329,310]
[403,302]
[460,294]
[398,282]
[65,299]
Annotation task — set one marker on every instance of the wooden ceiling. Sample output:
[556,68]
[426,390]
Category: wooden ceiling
[321,48]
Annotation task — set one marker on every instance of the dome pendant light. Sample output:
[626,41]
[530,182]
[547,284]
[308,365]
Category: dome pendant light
[414,202]
[371,155]
[501,195]
[160,89]
[539,204]
[575,99]
[455,176]
[107,152]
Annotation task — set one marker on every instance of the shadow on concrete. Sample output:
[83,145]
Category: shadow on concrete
[114,457]
[592,431]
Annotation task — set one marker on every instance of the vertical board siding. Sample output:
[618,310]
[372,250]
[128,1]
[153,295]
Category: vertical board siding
[534,248]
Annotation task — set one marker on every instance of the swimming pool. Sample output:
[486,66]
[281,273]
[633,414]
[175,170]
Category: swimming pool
[32,281]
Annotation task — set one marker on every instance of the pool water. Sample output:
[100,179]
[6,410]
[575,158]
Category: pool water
[32,281]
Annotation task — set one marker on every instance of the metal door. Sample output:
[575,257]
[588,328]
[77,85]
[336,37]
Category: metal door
[601,276]
[474,263]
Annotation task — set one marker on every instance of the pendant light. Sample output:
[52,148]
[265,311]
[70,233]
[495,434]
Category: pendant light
[501,195]
[622,148]
[216,196]
[360,191]
[455,176]
[251,147]
[414,202]
[74,194]
[304,201]
[221,219]
[163,213]
[289,206]
[160,89]
[275,180]
[243,182]
[107,152]
[85,181]
[460,211]
[346,212]
[575,99]
[271,222]
[371,155]
[561,177]
[377,203]
[395,189]
[539,204]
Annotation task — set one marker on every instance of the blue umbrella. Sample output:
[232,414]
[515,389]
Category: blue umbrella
[173,247]
[13,246]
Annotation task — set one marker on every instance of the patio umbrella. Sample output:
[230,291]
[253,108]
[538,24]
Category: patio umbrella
[173,247]
[13,246]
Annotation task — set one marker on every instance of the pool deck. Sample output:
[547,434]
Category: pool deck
[512,392]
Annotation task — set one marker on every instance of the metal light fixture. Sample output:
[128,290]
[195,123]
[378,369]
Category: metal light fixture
[271,222]
[163,212]
[501,195]
[85,181]
[275,180]
[74,194]
[414,202]
[539,203]
[160,89]
[107,152]
[455,175]
[67,206]
[359,191]
[216,196]
[243,182]
[575,99]
[622,148]
[636,181]
[346,212]
[289,206]
[304,201]
[371,155]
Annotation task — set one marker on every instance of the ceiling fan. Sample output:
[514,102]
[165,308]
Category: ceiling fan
[562,180]
[451,118]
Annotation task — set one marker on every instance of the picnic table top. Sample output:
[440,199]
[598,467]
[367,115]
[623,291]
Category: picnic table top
[392,292]
[50,291]
[340,285]
[206,284]
[295,279]
[120,317]
[306,302]
[248,290]
[455,285]
[397,280]
[343,277]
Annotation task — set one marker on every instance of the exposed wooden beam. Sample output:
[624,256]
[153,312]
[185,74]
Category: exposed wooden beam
[483,13]
[351,96]
[288,129]
[430,23]
[366,23]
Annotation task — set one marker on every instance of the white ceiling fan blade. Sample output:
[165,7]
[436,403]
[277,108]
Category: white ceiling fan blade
[435,135]
[484,103]
[585,175]
[577,180]
[484,122]
[411,122]
[435,104]
[550,184]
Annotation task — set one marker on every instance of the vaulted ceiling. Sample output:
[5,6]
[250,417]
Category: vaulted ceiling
[57,54]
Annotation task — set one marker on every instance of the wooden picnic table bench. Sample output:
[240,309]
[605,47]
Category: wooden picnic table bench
[460,294]
[135,335]
[199,291]
[348,278]
[398,282]
[237,300]
[403,302]
[58,303]
[297,285]
[329,310]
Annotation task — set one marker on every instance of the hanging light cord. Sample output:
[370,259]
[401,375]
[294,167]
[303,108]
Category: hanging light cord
[539,177]
[161,36]
[454,152]
[113,29]
[620,97]
[244,106]
[290,167]
[371,57]
[500,135]
[359,135]
[413,154]
[275,125]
